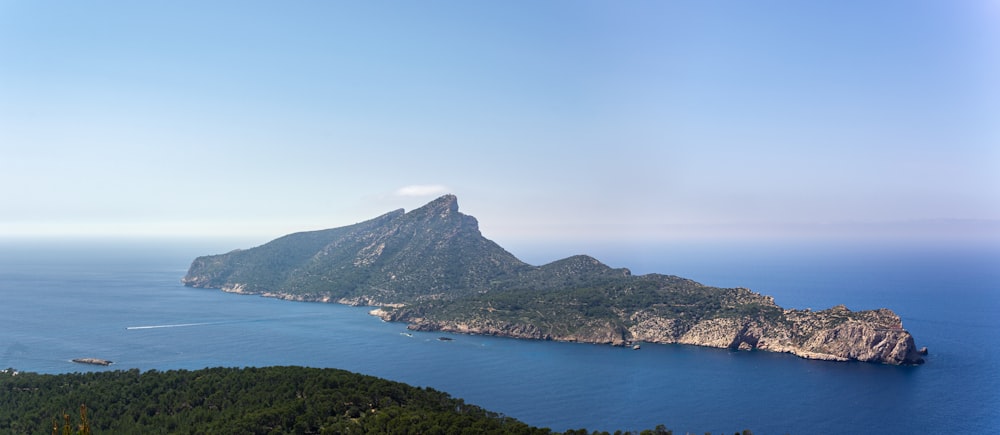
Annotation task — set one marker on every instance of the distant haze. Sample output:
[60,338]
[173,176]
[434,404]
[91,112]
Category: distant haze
[551,121]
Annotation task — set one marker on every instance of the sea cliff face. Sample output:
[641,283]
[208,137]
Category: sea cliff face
[867,336]
[432,269]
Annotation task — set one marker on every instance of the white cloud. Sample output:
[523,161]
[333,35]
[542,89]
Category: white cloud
[422,190]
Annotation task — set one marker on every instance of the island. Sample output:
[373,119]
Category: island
[94,361]
[432,269]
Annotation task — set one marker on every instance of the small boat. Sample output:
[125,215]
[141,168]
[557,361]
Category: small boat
[445,339]
[636,347]
[406,334]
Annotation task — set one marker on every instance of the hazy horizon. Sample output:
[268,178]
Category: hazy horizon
[554,121]
[927,230]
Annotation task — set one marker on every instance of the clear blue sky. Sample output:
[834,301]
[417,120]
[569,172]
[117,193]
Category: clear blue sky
[550,120]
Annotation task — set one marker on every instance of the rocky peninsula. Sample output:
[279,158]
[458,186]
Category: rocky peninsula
[433,269]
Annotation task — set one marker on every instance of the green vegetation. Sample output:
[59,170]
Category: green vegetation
[397,257]
[272,400]
[597,301]
[67,428]
[240,401]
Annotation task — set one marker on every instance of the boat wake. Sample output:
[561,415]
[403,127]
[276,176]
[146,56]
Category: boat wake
[177,325]
[222,322]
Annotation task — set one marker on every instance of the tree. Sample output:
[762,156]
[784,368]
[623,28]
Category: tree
[67,429]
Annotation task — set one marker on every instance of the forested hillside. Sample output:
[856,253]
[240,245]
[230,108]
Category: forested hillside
[272,400]
[239,401]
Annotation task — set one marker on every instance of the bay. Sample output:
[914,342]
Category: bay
[122,300]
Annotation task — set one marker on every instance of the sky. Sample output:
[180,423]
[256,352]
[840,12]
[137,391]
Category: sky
[551,121]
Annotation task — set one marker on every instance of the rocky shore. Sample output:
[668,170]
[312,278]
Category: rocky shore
[836,334]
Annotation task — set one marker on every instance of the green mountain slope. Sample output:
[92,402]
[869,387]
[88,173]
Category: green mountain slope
[430,252]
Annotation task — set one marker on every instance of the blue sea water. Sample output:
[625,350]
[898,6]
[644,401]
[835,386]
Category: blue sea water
[123,301]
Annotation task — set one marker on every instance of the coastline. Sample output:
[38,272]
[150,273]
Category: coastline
[891,346]
[713,333]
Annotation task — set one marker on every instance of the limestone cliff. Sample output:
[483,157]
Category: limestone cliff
[836,334]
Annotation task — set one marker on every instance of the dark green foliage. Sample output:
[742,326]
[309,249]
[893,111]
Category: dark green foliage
[271,400]
[68,428]
[278,400]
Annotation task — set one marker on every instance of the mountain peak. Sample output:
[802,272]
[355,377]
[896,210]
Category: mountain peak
[448,202]
[443,206]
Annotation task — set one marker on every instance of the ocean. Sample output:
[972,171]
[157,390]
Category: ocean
[122,301]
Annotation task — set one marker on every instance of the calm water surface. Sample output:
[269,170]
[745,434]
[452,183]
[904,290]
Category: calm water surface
[124,302]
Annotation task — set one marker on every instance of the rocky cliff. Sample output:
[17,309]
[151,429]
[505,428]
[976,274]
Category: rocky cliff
[836,334]
[433,269]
